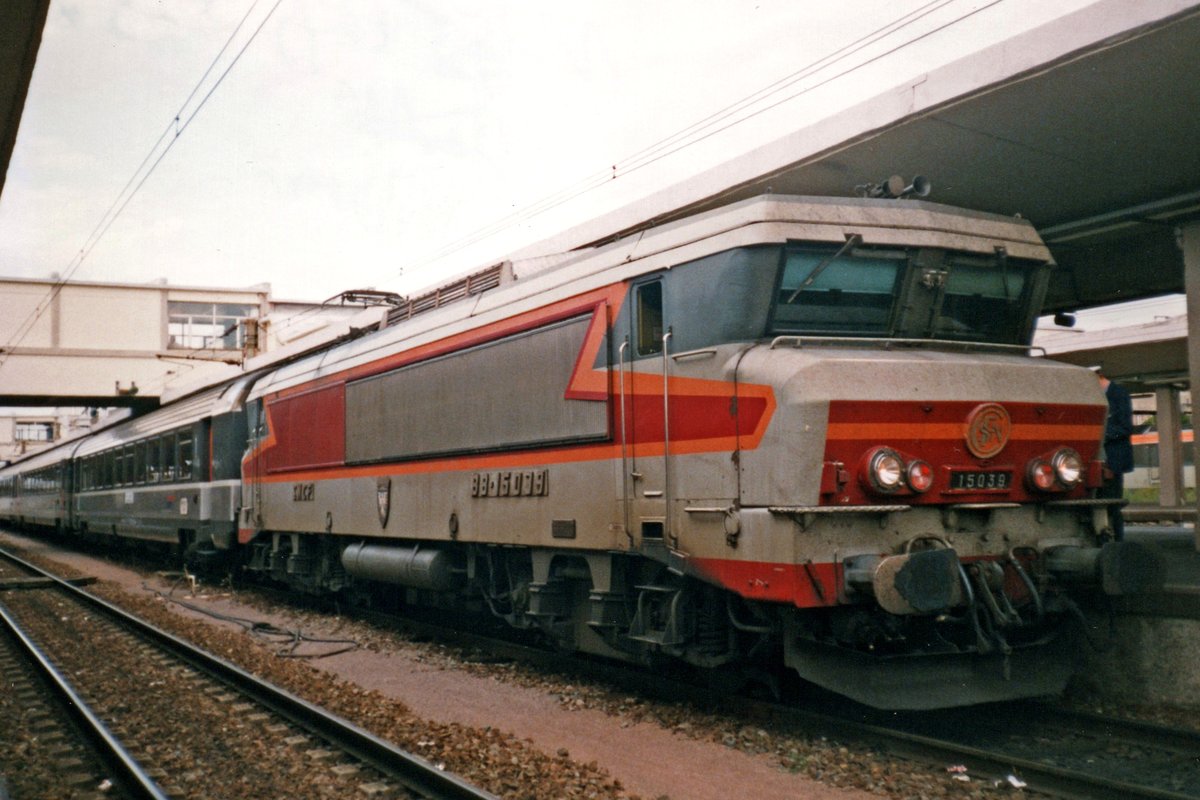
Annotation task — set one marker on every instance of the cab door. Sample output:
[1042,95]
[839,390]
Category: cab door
[645,406]
[250,518]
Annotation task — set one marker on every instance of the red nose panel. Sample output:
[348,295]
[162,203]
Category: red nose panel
[949,435]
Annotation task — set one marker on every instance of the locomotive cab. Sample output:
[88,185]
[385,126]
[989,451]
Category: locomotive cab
[920,502]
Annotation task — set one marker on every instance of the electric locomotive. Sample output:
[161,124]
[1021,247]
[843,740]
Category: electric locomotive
[794,432]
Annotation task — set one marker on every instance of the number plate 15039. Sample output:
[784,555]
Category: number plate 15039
[978,480]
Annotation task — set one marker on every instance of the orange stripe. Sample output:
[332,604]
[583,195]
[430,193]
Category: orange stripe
[527,458]
[585,383]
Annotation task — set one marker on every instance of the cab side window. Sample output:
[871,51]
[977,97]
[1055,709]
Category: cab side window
[649,318]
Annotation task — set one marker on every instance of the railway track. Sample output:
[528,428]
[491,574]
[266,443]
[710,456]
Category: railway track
[1040,747]
[1075,753]
[54,744]
[202,726]
[1050,750]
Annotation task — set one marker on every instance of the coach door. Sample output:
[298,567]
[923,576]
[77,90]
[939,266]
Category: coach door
[252,466]
[643,381]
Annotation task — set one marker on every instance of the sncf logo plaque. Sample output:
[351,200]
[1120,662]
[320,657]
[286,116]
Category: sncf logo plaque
[383,499]
[988,429]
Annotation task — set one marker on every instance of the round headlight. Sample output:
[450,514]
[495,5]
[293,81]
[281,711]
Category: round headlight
[886,470]
[1068,466]
[920,476]
[1041,475]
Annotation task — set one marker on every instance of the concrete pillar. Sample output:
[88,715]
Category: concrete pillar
[1170,449]
[1189,243]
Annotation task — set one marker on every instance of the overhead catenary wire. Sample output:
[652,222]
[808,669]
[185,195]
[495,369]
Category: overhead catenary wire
[178,124]
[704,128]
[733,114]
[696,132]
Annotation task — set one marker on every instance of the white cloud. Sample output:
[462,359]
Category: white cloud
[353,139]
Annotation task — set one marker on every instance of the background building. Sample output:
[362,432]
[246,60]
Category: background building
[73,354]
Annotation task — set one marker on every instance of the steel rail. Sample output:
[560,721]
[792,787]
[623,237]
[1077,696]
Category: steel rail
[996,765]
[1133,730]
[127,772]
[1058,781]
[416,773]
[1040,777]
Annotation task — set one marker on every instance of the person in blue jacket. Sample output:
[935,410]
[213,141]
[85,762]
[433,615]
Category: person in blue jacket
[1118,448]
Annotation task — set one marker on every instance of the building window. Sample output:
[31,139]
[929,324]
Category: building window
[207,326]
[34,432]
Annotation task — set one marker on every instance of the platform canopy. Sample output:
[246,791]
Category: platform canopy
[21,25]
[1087,125]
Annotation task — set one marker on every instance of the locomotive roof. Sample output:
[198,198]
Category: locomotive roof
[762,220]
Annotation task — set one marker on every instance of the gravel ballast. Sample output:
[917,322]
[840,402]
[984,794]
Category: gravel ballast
[512,729]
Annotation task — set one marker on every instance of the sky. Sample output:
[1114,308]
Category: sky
[356,145]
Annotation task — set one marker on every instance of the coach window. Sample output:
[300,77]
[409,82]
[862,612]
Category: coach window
[168,457]
[154,460]
[649,318]
[186,454]
[165,459]
[139,468]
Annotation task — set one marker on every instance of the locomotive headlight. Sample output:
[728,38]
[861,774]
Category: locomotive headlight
[1041,475]
[920,476]
[886,470]
[1068,467]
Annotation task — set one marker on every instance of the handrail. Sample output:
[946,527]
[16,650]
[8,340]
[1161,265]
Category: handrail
[624,436]
[707,352]
[666,361]
[887,342]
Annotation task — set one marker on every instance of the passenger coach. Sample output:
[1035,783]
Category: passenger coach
[171,476]
[37,490]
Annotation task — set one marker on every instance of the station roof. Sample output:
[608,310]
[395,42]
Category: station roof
[1086,125]
[21,25]
[1141,357]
